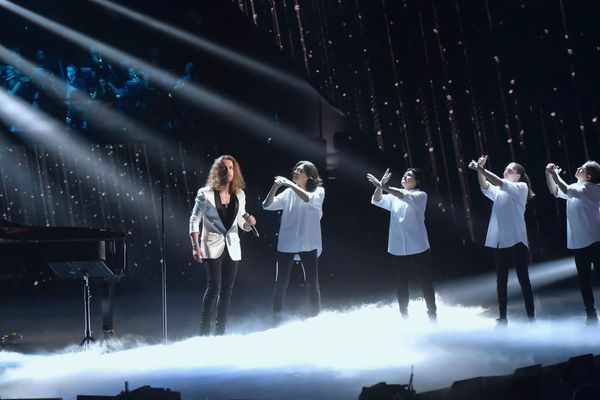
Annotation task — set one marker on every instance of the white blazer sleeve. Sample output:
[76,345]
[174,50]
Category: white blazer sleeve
[197,212]
[242,210]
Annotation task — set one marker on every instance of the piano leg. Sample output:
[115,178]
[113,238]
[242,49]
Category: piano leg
[117,255]
[107,290]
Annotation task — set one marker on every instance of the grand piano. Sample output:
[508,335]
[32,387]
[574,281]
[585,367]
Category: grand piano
[26,252]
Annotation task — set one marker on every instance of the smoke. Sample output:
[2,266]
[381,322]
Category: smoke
[329,356]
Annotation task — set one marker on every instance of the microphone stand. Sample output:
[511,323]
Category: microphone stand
[163,265]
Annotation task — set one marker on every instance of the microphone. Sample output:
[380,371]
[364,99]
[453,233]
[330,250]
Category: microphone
[246,216]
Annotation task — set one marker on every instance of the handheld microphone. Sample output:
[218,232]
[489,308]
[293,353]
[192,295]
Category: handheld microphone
[246,216]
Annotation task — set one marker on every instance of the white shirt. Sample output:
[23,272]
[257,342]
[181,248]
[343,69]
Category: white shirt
[507,222]
[407,233]
[583,214]
[300,228]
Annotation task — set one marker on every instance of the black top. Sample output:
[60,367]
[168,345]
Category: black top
[226,212]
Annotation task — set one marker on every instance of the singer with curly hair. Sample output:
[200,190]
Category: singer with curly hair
[219,210]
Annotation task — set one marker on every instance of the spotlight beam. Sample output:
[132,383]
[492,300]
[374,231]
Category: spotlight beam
[251,122]
[42,128]
[226,108]
[100,115]
[484,286]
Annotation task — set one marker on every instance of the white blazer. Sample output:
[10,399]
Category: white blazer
[214,235]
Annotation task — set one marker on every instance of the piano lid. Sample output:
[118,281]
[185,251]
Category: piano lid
[5,222]
[17,233]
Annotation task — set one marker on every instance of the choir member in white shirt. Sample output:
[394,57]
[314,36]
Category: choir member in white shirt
[301,204]
[408,240]
[583,224]
[507,233]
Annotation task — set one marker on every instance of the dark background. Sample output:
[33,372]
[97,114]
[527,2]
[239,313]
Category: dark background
[430,84]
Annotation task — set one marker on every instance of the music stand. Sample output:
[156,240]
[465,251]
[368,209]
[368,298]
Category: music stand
[83,270]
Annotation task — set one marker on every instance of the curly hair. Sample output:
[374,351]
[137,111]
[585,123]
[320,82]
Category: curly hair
[311,171]
[218,174]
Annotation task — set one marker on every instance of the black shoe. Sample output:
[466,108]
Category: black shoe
[531,319]
[277,318]
[219,328]
[432,317]
[502,322]
[404,313]
[205,330]
[109,334]
[592,318]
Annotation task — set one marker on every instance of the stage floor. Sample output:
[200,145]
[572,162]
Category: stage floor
[331,356]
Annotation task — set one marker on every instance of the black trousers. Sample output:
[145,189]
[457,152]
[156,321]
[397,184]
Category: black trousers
[584,258]
[220,274]
[420,265]
[284,268]
[517,256]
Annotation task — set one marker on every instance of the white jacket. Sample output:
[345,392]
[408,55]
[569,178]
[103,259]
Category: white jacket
[214,236]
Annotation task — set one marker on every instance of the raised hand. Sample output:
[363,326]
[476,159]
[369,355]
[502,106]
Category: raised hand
[279,181]
[386,177]
[380,183]
[286,182]
[374,180]
[481,162]
[553,168]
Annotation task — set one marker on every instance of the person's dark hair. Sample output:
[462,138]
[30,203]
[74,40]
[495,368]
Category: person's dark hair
[419,176]
[524,178]
[592,168]
[311,171]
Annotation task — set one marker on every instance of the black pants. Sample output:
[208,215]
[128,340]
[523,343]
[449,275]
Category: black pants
[584,258]
[419,265]
[220,274]
[284,268]
[517,256]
